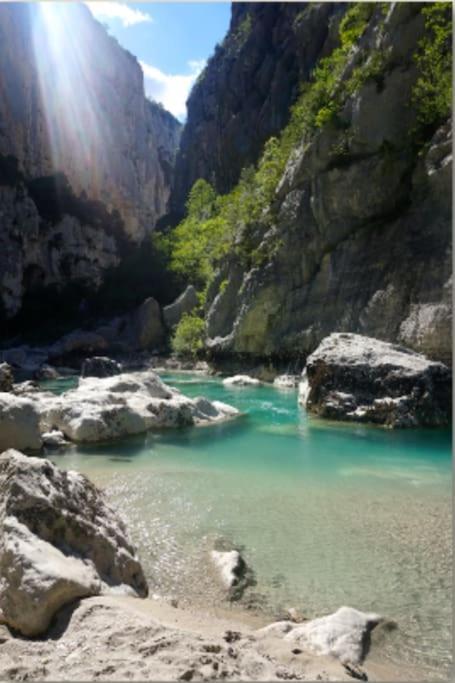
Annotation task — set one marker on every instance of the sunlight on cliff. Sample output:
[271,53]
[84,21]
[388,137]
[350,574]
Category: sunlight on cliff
[72,106]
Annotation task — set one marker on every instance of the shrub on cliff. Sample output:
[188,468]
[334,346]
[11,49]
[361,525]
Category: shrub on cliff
[188,337]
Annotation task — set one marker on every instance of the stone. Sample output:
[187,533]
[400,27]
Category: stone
[186,302]
[356,378]
[146,327]
[54,440]
[234,573]
[59,541]
[100,366]
[344,634]
[130,403]
[19,423]
[241,381]
[6,377]
[286,381]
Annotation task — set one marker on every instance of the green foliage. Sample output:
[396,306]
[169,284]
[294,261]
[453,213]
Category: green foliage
[216,226]
[432,93]
[188,338]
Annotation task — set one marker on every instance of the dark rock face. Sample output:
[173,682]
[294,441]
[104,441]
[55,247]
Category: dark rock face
[360,379]
[59,541]
[361,229]
[84,170]
[100,366]
[244,94]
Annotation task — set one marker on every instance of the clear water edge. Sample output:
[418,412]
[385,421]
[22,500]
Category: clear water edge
[327,514]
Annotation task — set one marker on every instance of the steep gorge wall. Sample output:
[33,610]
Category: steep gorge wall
[359,237]
[244,94]
[85,159]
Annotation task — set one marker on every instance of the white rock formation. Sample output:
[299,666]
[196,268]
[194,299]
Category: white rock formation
[241,381]
[343,634]
[102,409]
[59,541]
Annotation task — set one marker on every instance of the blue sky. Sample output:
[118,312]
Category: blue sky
[172,41]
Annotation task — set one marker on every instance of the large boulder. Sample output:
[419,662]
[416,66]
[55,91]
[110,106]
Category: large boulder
[130,403]
[185,303]
[356,378]
[100,366]
[59,541]
[19,422]
[145,325]
[6,377]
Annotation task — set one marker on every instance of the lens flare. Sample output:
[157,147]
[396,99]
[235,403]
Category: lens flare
[70,97]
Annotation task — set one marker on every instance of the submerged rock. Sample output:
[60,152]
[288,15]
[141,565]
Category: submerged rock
[234,572]
[185,303]
[356,378]
[100,366]
[241,381]
[59,541]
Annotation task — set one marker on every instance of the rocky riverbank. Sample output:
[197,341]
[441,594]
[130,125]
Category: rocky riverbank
[67,568]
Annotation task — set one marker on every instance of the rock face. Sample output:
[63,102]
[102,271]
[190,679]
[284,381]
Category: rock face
[146,326]
[358,238]
[244,94]
[356,378]
[59,541]
[100,366]
[74,195]
[186,302]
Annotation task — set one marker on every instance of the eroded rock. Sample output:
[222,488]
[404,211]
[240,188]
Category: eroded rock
[185,303]
[356,378]
[59,541]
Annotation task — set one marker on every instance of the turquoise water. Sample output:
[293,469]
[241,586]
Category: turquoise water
[326,514]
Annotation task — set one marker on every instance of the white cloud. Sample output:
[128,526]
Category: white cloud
[171,90]
[117,10]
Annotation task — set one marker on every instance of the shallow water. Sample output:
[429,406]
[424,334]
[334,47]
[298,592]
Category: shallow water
[327,514]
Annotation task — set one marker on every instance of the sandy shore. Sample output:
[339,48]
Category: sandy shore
[121,638]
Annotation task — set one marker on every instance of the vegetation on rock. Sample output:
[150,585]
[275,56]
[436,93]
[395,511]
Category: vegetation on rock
[188,338]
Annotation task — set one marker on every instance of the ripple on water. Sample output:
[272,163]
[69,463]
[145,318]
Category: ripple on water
[327,514]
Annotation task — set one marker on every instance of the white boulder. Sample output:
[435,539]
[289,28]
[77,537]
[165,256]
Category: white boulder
[59,541]
[241,381]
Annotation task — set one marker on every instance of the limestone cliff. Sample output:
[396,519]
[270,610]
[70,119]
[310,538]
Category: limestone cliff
[358,237]
[85,159]
[244,94]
